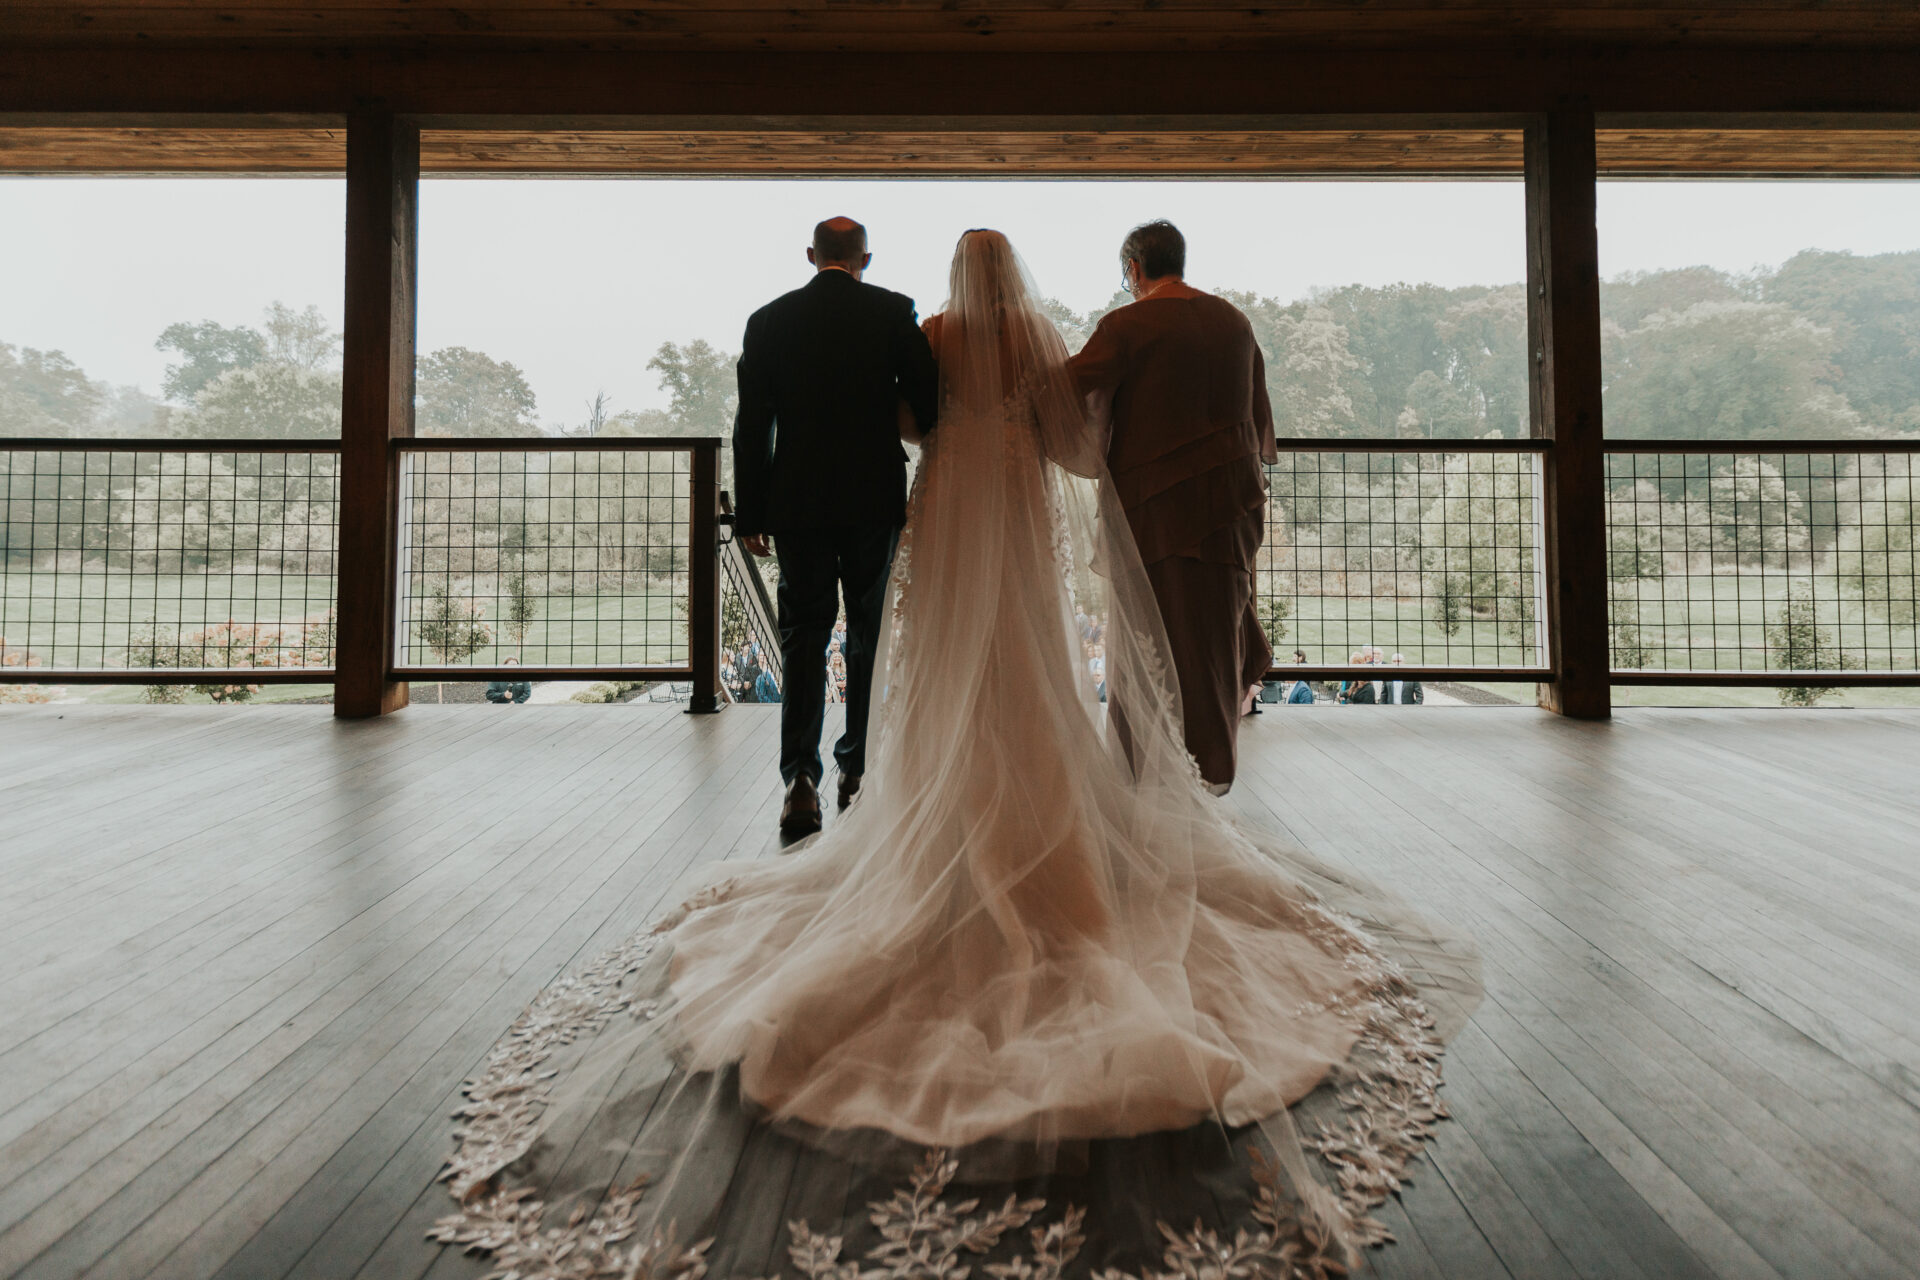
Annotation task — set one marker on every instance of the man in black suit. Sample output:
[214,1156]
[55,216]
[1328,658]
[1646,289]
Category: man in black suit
[822,485]
[1401,693]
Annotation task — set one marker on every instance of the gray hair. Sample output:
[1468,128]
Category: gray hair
[1158,247]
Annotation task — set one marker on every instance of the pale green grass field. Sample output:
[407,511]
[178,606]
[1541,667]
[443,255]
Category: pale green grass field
[1702,622]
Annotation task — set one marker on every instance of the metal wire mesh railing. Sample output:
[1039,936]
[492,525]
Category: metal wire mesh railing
[1752,560]
[1430,551]
[168,561]
[574,556]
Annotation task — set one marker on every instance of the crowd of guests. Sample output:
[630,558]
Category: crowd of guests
[748,680]
[1093,649]
[746,676]
[1385,689]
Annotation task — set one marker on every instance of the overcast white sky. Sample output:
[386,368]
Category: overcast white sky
[578,282]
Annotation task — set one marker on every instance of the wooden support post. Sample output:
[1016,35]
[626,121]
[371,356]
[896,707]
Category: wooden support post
[703,579]
[383,188]
[1563,329]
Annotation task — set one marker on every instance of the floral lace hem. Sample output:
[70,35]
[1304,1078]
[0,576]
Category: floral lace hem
[1387,1090]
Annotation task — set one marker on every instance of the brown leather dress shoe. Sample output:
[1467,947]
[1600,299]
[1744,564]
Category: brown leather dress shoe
[800,815]
[849,788]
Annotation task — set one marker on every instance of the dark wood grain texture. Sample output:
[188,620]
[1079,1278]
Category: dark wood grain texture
[249,955]
[1565,380]
[1064,146]
[376,400]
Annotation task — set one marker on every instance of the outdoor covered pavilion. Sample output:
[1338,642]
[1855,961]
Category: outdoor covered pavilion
[232,1034]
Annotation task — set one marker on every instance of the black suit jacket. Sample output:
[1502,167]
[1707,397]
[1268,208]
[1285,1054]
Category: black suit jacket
[816,443]
[1410,692]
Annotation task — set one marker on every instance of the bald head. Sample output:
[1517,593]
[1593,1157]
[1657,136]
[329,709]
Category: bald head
[839,242]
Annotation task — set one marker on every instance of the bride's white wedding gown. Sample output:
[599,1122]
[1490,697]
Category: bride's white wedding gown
[1032,932]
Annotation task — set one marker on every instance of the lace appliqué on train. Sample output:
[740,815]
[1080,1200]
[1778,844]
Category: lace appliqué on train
[1387,1090]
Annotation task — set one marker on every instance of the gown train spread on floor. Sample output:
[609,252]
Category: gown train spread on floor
[1036,960]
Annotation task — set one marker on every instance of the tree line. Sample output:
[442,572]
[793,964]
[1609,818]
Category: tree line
[1825,345]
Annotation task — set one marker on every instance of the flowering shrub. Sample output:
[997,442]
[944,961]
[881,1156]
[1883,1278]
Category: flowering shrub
[21,656]
[233,644]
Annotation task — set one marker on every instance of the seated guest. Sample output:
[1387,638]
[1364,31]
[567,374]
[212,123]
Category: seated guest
[1401,693]
[1357,692]
[509,691]
[1300,691]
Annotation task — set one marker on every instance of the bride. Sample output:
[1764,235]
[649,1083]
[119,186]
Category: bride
[1034,944]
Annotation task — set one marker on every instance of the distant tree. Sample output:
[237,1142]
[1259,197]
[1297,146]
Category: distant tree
[1437,409]
[1449,594]
[44,393]
[1642,527]
[1629,650]
[1798,642]
[206,351]
[1872,307]
[1476,541]
[1752,515]
[522,609]
[639,422]
[1274,613]
[302,339]
[1628,299]
[130,411]
[452,629]
[1485,345]
[467,393]
[282,383]
[1876,555]
[268,400]
[1074,328]
[1725,371]
[700,383]
[598,410]
[1307,368]
[1393,333]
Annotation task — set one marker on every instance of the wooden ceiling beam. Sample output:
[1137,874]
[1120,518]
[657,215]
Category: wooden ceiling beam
[562,83]
[1033,150]
[1005,25]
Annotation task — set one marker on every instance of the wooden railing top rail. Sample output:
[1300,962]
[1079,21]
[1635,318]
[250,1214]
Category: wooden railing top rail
[168,675]
[1849,445]
[1390,444]
[548,671]
[554,444]
[159,444]
[1408,671]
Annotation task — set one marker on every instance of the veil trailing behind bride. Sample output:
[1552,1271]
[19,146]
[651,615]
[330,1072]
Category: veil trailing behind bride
[1036,964]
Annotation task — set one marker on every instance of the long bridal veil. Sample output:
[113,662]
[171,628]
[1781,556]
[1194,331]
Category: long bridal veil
[1035,945]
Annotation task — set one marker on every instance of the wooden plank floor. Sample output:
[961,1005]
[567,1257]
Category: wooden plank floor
[247,956]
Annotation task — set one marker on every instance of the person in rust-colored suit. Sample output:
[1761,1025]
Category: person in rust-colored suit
[1178,381]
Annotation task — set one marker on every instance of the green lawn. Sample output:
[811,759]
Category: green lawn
[1703,621]
[1722,620]
[635,627]
[1331,628]
[83,619]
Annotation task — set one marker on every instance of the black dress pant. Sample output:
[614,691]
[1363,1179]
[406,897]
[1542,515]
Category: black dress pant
[816,566]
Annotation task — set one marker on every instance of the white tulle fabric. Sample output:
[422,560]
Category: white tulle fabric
[1035,928]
